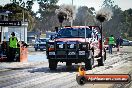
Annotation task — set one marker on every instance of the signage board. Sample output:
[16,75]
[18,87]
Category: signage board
[10,23]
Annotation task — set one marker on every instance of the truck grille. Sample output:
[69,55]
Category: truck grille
[64,50]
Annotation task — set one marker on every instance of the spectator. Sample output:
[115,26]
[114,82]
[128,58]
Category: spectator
[117,43]
[121,41]
[111,43]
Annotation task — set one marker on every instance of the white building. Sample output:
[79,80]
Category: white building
[5,31]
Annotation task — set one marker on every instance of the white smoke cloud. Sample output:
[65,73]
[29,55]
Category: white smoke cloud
[105,12]
[69,10]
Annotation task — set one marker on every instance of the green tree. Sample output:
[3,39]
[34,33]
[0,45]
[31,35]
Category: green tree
[128,21]
[24,3]
[115,25]
[48,19]
[85,14]
[20,7]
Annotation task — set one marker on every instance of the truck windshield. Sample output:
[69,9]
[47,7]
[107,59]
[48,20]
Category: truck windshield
[74,33]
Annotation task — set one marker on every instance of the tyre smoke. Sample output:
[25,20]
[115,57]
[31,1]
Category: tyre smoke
[104,14]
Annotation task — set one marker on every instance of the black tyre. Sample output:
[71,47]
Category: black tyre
[41,49]
[36,49]
[92,56]
[104,54]
[52,64]
[101,61]
[68,64]
[89,62]
[92,59]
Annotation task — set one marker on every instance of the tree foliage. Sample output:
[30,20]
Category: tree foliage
[25,4]
[48,19]
[128,21]
[119,25]
[85,15]
[20,8]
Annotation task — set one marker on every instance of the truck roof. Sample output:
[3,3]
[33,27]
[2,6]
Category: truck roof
[81,26]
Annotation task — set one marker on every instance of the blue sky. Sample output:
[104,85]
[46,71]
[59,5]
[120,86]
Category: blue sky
[124,4]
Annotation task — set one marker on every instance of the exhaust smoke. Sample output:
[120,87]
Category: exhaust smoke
[66,12]
[104,14]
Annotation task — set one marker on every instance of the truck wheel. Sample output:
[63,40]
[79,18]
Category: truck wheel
[104,54]
[88,64]
[41,49]
[68,64]
[101,61]
[36,49]
[92,58]
[52,64]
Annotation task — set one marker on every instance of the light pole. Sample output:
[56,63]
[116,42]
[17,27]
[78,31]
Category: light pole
[103,15]
[24,24]
[101,40]
[23,27]
[22,5]
[101,18]
[72,19]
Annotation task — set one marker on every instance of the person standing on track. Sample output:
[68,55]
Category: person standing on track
[12,46]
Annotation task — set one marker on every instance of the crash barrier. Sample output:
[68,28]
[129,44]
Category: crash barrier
[23,54]
[20,54]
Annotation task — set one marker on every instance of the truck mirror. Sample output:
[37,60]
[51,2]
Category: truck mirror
[51,37]
[97,37]
[56,29]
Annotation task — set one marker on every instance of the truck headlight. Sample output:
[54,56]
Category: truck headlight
[71,46]
[61,46]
